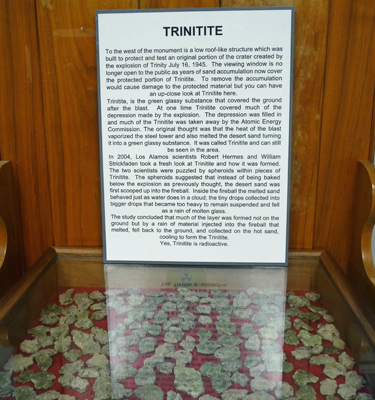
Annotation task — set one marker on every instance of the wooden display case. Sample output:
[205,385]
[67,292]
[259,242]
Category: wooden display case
[83,267]
[66,267]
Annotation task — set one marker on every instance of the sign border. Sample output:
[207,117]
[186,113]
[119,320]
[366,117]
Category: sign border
[195,263]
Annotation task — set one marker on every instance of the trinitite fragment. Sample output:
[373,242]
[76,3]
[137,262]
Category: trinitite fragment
[257,370]
[100,335]
[290,338]
[312,296]
[19,363]
[182,357]
[302,353]
[221,382]
[24,393]
[328,332]
[347,392]
[174,335]
[306,393]
[261,385]
[241,313]
[234,394]
[347,361]
[188,344]
[97,360]
[328,387]
[50,395]
[66,298]
[253,343]
[6,388]
[207,347]
[39,330]
[165,367]
[209,369]
[102,388]
[97,296]
[251,361]
[208,397]
[226,340]
[83,301]
[299,324]
[119,391]
[189,381]
[72,369]
[66,380]
[302,378]
[297,301]
[259,396]
[128,355]
[166,350]
[334,369]
[85,342]
[287,367]
[98,315]
[260,319]
[308,339]
[79,384]
[273,362]
[147,345]
[322,359]
[205,320]
[240,379]
[228,352]
[30,346]
[355,380]
[44,358]
[45,341]
[84,324]
[145,376]
[231,365]
[122,371]
[226,328]
[241,300]
[149,392]
[284,390]
[204,334]
[63,345]
[171,395]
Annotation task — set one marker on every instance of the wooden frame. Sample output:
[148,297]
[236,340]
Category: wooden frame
[361,270]
[12,264]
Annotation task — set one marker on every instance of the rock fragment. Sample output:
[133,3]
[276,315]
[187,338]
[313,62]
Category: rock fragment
[149,392]
[189,381]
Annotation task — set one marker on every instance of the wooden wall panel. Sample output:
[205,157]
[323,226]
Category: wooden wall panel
[178,3]
[311,25]
[22,136]
[346,129]
[68,61]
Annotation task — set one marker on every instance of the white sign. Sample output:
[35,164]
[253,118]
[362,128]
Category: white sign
[195,117]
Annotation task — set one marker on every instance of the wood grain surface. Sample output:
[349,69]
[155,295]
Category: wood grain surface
[49,124]
[68,63]
[347,118]
[22,135]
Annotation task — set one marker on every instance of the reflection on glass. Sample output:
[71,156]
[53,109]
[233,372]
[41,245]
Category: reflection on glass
[194,332]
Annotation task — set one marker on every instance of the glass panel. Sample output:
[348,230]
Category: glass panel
[198,333]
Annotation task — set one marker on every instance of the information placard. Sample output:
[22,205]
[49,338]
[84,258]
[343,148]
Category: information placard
[195,121]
